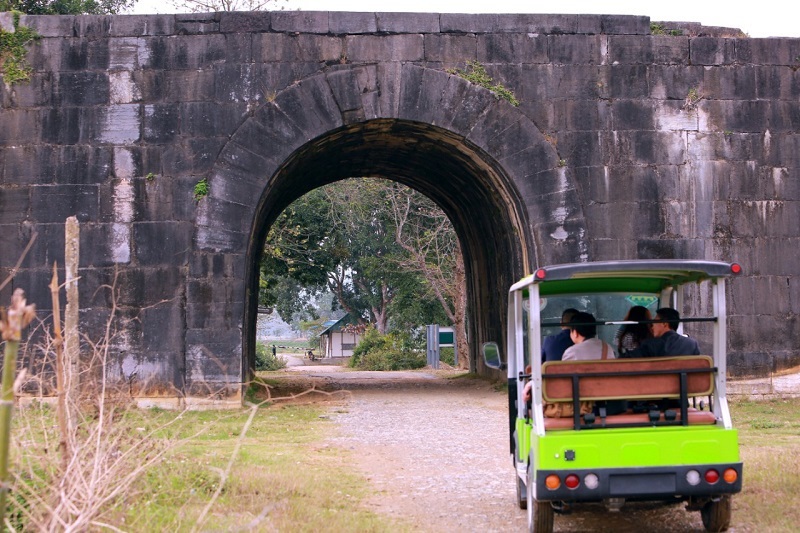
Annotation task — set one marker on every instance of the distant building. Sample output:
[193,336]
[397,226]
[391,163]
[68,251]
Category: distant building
[340,337]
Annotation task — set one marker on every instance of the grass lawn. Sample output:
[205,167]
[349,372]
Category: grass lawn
[769,441]
[284,477]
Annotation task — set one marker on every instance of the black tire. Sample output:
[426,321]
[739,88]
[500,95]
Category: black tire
[522,496]
[540,514]
[717,515]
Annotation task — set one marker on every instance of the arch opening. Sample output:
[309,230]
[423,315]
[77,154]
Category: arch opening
[471,189]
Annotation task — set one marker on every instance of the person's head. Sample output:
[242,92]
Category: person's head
[667,319]
[566,316]
[638,312]
[583,325]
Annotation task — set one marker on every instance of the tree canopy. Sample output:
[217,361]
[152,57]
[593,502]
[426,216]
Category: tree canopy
[343,239]
[67,7]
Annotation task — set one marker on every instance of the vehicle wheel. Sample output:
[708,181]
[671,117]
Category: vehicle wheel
[522,496]
[717,515]
[540,514]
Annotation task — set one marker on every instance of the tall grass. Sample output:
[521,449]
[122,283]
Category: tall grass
[769,436]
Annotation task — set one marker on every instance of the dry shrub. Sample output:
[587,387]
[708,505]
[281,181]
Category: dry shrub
[82,475]
[72,476]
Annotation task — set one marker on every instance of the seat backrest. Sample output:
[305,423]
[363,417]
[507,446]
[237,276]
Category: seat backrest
[631,379]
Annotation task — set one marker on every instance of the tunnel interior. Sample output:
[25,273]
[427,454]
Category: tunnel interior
[471,189]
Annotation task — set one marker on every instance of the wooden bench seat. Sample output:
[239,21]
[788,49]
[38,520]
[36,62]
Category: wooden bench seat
[653,378]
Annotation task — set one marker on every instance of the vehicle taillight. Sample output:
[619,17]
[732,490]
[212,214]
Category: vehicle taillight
[591,481]
[693,477]
[541,273]
[712,476]
[572,481]
[730,475]
[552,482]
[736,268]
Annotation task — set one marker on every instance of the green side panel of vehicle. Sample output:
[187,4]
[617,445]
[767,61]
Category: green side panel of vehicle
[523,439]
[630,447]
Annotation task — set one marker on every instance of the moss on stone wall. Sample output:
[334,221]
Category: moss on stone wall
[13,62]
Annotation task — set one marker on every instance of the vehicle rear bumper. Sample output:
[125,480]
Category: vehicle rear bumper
[653,483]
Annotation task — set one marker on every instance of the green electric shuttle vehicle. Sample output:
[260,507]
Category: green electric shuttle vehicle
[655,429]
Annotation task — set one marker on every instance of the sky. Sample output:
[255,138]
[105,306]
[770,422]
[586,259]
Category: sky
[757,18]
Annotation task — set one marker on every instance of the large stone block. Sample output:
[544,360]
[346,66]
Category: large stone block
[387,48]
[314,104]
[773,51]
[712,51]
[300,21]
[623,81]
[191,156]
[54,203]
[198,119]
[774,82]
[625,25]
[576,49]
[632,115]
[82,88]
[168,197]
[48,25]
[407,22]
[341,23]
[733,115]
[512,48]
[450,48]
[201,51]
[19,125]
[162,243]
[249,22]
[269,47]
[141,25]
[211,265]
[186,85]
[671,249]
[673,82]
[27,164]
[730,83]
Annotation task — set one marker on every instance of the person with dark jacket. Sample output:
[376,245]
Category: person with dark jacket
[666,339]
[553,346]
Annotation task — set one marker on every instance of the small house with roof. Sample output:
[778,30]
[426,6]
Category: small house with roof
[339,337]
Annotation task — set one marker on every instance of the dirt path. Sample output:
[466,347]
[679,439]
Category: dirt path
[436,453]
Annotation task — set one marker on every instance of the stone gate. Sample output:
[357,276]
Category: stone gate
[624,145]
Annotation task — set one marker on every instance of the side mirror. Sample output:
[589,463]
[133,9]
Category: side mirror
[491,356]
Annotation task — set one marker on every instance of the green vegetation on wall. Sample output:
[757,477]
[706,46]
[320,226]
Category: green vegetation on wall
[476,73]
[201,189]
[13,63]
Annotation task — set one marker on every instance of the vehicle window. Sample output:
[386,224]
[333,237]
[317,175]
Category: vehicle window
[604,307]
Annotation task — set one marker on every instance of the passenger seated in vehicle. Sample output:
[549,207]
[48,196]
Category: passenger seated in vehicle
[666,339]
[587,345]
[631,336]
[553,346]
[583,333]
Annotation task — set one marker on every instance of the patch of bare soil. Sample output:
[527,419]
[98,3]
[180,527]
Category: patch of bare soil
[436,452]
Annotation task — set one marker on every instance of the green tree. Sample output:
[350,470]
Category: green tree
[341,239]
[432,251]
[67,7]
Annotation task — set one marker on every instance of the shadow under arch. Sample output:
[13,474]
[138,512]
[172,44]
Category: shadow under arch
[481,160]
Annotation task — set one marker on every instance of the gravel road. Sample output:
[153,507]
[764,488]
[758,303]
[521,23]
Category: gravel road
[436,453]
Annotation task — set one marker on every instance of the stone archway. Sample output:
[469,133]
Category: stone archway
[484,162]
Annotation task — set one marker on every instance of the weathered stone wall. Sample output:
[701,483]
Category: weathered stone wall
[624,145]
